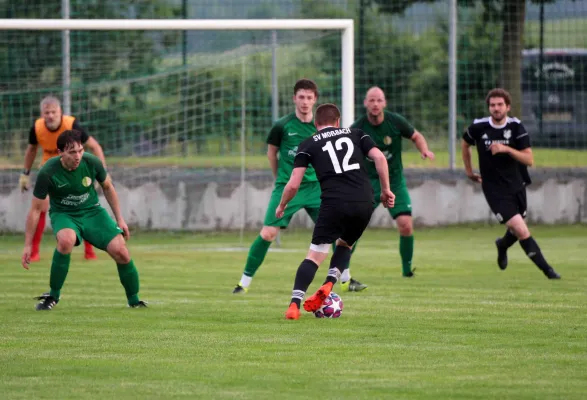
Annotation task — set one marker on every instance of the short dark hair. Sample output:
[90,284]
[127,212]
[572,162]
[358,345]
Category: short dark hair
[499,92]
[68,139]
[326,114]
[306,84]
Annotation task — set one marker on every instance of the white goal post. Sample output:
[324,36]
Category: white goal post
[344,25]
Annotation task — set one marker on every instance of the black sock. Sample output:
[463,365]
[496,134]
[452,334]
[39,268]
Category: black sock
[508,240]
[339,261]
[533,252]
[304,277]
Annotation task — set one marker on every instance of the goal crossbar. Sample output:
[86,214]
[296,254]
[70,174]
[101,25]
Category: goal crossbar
[346,26]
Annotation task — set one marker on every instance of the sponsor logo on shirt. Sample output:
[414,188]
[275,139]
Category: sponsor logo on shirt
[293,152]
[292,133]
[73,200]
[490,142]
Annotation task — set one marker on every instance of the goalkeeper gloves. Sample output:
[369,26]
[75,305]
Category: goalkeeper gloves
[24,181]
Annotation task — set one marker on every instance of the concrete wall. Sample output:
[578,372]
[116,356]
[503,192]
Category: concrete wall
[208,200]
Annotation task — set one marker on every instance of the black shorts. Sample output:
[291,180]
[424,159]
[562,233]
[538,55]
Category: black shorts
[346,221]
[506,205]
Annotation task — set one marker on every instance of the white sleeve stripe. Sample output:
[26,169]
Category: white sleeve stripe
[364,136]
[303,152]
[469,135]
[522,135]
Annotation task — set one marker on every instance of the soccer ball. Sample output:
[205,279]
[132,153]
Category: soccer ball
[331,307]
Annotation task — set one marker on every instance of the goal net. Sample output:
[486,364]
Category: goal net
[182,113]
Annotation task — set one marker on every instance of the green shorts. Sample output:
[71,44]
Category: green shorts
[308,197]
[403,203]
[97,227]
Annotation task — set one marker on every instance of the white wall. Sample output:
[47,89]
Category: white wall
[215,206]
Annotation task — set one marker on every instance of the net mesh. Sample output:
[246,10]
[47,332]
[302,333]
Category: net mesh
[162,101]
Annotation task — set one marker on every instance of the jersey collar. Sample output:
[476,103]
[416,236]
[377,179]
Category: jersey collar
[498,126]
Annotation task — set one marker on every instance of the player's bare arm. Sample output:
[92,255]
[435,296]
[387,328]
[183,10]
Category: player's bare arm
[422,146]
[387,196]
[112,198]
[467,161]
[29,158]
[272,151]
[290,189]
[93,145]
[31,225]
[524,156]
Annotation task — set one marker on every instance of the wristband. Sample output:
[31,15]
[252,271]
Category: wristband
[26,172]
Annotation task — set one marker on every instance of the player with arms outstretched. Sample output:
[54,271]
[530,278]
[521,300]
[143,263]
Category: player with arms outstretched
[77,215]
[337,154]
[44,133]
[503,146]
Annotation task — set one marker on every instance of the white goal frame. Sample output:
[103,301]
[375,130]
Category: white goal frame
[344,25]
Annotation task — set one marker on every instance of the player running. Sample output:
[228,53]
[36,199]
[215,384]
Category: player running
[503,145]
[337,155]
[76,215]
[44,133]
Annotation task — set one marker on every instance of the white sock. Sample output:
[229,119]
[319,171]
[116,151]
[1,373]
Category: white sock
[346,275]
[245,281]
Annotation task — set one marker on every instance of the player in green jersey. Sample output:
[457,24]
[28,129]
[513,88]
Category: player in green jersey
[387,130]
[76,215]
[282,145]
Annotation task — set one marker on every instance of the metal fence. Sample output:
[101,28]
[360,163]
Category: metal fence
[174,98]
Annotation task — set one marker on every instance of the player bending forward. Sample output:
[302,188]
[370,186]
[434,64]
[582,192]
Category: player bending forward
[76,215]
[504,152]
[337,156]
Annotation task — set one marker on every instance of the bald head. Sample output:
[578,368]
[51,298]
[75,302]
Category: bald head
[375,91]
[375,103]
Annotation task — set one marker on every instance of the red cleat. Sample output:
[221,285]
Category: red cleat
[293,312]
[314,302]
[35,257]
[89,252]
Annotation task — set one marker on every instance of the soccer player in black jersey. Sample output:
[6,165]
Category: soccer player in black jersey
[337,155]
[504,152]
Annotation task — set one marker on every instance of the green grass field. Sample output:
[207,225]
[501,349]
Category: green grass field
[560,33]
[411,159]
[544,158]
[462,329]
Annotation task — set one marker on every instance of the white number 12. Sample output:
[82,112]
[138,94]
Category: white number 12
[345,161]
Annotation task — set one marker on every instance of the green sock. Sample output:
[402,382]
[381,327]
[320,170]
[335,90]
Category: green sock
[59,269]
[256,256]
[129,277]
[406,251]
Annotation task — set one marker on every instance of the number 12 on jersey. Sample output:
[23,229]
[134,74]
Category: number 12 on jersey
[345,161]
